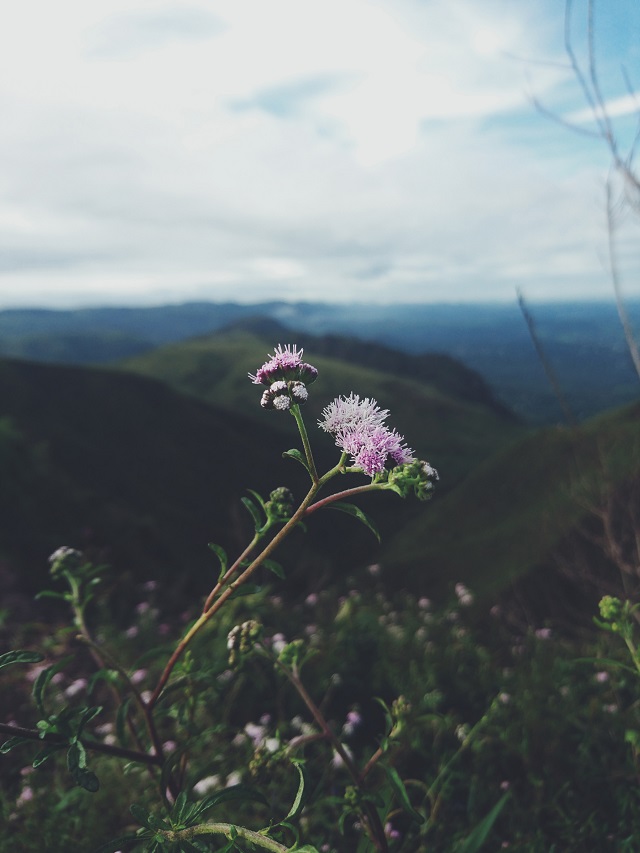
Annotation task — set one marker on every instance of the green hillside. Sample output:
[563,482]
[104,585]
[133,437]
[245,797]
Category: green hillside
[124,466]
[445,412]
[503,522]
[144,476]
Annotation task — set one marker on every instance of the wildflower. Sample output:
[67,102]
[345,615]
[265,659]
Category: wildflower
[359,430]
[272,744]
[76,687]
[338,761]
[286,376]
[209,783]
[543,633]
[256,733]
[390,832]
[278,643]
[65,558]
[464,596]
[138,676]
[353,721]
[602,677]
[462,732]
[242,638]
[25,796]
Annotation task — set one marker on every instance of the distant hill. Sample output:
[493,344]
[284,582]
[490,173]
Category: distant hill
[123,466]
[583,341]
[519,512]
[445,411]
[143,476]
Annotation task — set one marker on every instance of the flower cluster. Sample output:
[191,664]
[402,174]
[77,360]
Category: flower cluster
[286,376]
[359,429]
[65,558]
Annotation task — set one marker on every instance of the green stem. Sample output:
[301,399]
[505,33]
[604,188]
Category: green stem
[217,604]
[375,830]
[95,746]
[241,579]
[232,570]
[634,653]
[102,658]
[228,830]
[295,411]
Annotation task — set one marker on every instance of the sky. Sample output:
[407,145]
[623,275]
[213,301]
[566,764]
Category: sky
[376,151]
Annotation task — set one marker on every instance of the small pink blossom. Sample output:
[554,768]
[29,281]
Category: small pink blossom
[359,430]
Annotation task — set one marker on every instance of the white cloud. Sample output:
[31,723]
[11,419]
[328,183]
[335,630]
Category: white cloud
[625,105]
[344,149]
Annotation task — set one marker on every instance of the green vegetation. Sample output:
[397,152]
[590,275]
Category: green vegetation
[507,518]
[446,407]
[491,716]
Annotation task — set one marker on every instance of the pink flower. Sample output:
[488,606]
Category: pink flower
[358,426]
[285,365]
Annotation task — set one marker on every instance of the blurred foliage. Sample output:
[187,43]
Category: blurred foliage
[484,711]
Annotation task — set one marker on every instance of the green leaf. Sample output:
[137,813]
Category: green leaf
[387,715]
[607,662]
[254,511]
[49,750]
[245,589]
[117,843]
[300,799]
[235,792]
[87,780]
[356,512]
[222,556]
[43,679]
[108,675]
[152,654]
[121,720]
[76,757]
[87,715]
[8,745]
[141,815]
[50,593]
[20,656]
[179,806]
[77,764]
[401,792]
[473,842]
[298,456]
[276,568]
[257,497]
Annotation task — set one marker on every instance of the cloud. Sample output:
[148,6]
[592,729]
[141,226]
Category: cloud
[127,35]
[624,105]
[342,149]
[290,98]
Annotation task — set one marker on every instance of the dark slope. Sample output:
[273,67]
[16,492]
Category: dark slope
[438,406]
[126,467]
[510,517]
